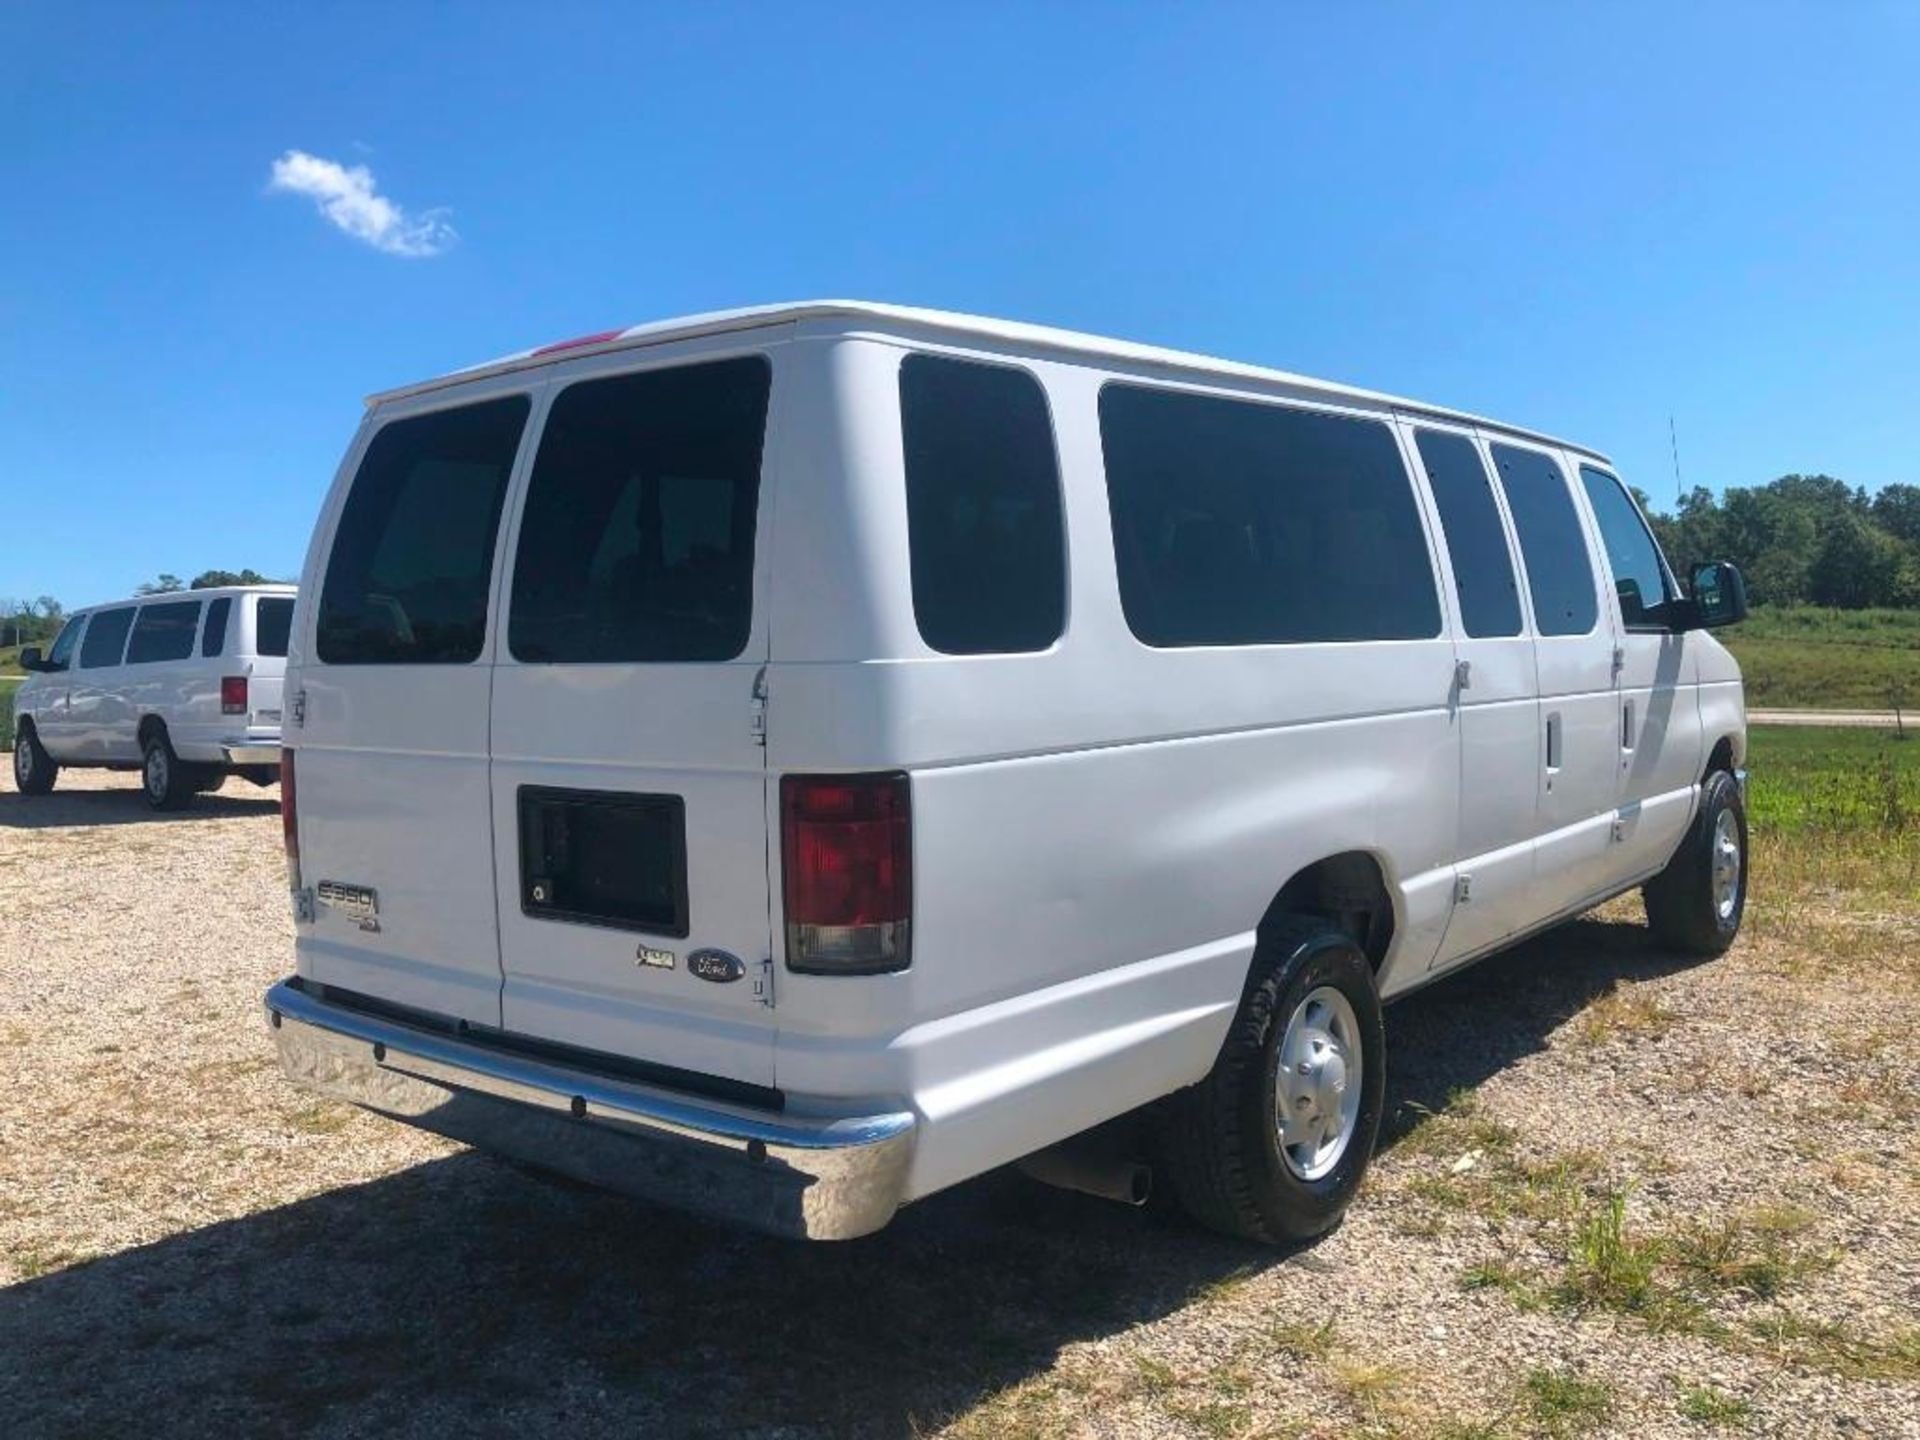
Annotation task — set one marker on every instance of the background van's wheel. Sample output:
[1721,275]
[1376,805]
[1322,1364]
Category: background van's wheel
[1272,1145]
[166,780]
[34,771]
[208,778]
[1696,903]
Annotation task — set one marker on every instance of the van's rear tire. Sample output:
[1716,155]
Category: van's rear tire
[165,779]
[34,771]
[1309,1019]
[1696,904]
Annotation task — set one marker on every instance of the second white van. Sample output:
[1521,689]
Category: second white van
[788,761]
[183,687]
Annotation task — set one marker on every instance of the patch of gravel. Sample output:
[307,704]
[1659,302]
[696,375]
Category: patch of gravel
[188,1244]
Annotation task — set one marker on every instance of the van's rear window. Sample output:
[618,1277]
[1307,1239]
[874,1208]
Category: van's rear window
[412,557]
[636,543]
[272,622]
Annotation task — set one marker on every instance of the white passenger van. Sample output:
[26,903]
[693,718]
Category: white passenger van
[183,687]
[785,762]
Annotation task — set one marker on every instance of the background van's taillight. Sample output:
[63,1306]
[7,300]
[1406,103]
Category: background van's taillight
[846,846]
[290,819]
[233,695]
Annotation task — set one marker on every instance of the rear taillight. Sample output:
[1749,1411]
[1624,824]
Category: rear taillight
[847,857]
[233,695]
[290,819]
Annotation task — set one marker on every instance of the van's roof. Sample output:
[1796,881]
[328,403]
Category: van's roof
[211,592]
[896,320]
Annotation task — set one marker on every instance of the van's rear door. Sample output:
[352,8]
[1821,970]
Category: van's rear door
[392,677]
[272,621]
[629,821]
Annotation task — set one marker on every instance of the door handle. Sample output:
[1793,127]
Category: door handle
[1553,747]
[1626,725]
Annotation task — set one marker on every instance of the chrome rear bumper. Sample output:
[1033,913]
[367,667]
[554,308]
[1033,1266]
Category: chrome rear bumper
[812,1177]
[251,752]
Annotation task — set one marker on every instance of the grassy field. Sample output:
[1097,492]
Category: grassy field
[8,684]
[1807,658]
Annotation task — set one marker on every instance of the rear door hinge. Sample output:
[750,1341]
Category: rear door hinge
[763,983]
[1462,889]
[757,709]
[298,710]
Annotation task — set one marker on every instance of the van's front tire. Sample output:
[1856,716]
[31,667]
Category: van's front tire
[34,771]
[165,779]
[1695,905]
[1273,1144]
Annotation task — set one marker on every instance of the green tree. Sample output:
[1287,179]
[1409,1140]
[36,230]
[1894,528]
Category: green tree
[208,579]
[162,584]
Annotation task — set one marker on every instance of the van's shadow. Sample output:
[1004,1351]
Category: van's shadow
[126,805]
[460,1297]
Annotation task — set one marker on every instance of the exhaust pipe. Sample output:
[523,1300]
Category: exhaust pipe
[1091,1169]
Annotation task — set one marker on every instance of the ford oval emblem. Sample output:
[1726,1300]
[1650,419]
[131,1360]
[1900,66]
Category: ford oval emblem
[716,965]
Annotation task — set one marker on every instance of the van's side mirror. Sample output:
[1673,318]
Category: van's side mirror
[1719,597]
[30,659]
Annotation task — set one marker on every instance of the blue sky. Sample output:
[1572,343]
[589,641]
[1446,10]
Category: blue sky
[1578,217]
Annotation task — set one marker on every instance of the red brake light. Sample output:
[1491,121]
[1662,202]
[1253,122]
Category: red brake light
[233,695]
[847,861]
[599,337]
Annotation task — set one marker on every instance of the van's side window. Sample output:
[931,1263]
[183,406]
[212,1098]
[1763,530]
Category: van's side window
[637,541]
[164,632]
[1242,523]
[412,559]
[984,529]
[1551,541]
[1477,541]
[106,638]
[272,623]
[62,651]
[1638,576]
[213,635]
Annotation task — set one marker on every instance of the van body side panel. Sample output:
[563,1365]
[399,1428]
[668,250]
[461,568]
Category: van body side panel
[1097,828]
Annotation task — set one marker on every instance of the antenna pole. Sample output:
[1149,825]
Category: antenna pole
[1673,436]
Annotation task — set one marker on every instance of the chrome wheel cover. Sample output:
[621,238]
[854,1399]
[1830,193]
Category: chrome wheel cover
[1726,865]
[1317,1087]
[22,760]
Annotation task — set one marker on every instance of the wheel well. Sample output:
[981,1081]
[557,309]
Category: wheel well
[150,725]
[1348,889]
[1721,758]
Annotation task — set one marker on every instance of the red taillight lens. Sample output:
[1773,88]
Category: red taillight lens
[847,857]
[290,817]
[233,695]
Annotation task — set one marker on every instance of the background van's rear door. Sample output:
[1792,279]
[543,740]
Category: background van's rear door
[629,820]
[392,677]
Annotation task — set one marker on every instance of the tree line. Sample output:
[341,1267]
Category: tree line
[1805,540]
[37,621]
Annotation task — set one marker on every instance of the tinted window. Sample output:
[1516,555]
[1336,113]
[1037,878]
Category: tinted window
[1638,576]
[106,638]
[62,650]
[413,556]
[272,620]
[1238,523]
[983,507]
[637,541]
[1482,564]
[213,636]
[1551,541]
[164,632]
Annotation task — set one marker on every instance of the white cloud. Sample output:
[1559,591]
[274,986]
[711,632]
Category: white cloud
[346,195]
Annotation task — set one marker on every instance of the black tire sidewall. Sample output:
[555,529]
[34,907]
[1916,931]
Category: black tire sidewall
[1297,1208]
[178,783]
[1722,794]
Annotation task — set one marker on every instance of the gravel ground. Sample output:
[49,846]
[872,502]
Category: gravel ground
[190,1247]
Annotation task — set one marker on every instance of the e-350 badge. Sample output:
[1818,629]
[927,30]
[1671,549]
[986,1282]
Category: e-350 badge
[359,903]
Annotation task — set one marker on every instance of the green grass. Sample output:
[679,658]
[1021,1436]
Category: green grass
[1801,657]
[1815,779]
[8,684]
